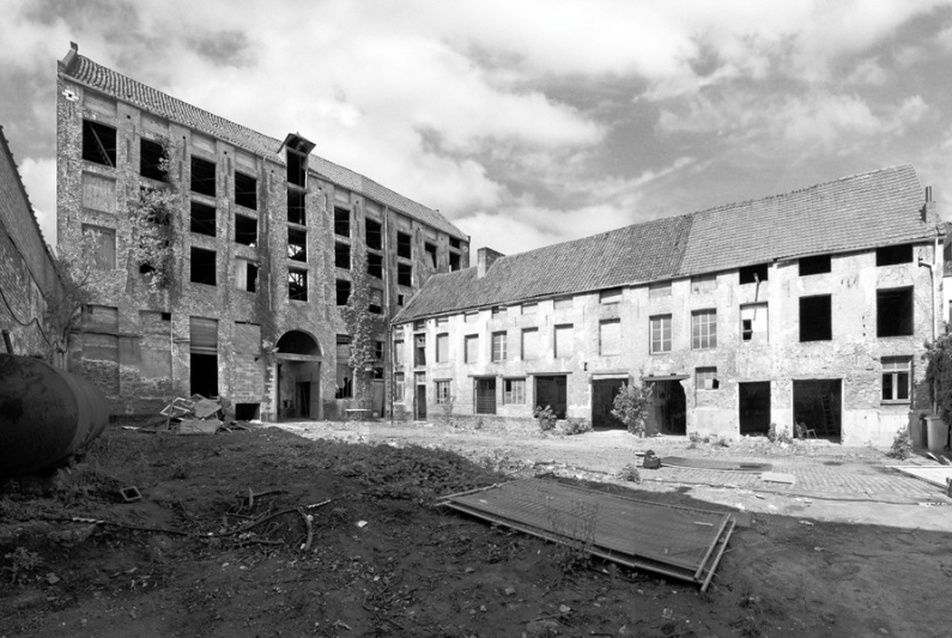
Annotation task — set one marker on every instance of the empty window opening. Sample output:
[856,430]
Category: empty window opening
[660,334]
[204,219]
[419,350]
[341,222]
[246,191]
[401,300]
[375,265]
[455,243]
[706,379]
[485,399]
[815,265]
[343,292]
[499,311]
[404,246]
[499,349]
[890,255]
[456,262]
[247,411]
[376,301]
[612,296]
[894,312]
[405,274]
[703,329]
[345,385]
[342,255]
[246,275]
[246,230]
[374,234]
[297,244]
[430,250]
[897,379]
[297,284]
[753,274]
[152,160]
[203,177]
[297,209]
[514,391]
[754,324]
[471,349]
[99,143]
[203,266]
[816,318]
[297,168]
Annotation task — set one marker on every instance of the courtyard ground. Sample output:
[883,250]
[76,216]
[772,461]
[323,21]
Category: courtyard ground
[330,529]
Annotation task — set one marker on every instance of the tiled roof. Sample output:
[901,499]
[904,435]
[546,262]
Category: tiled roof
[854,213]
[635,254]
[85,71]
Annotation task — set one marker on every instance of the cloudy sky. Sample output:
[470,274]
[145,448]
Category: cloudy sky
[526,122]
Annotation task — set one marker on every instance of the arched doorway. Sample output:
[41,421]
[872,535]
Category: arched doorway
[298,356]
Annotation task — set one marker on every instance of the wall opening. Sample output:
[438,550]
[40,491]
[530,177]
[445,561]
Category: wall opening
[404,246]
[341,222]
[151,155]
[204,266]
[99,143]
[891,255]
[430,250]
[375,265]
[485,399]
[246,191]
[604,392]
[894,312]
[342,255]
[668,407]
[551,390]
[419,397]
[203,219]
[754,274]
[247,411]
[203,177]
[343,292]
[815,265]
[405,274]
[297,244]
[816,318]
[297,208]
[374,234]
[455,262]
[754,407]
[203,374]
[246,230]
[817,407]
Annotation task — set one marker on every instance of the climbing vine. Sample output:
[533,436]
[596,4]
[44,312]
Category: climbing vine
[154,220]
[938,357]
[362,325]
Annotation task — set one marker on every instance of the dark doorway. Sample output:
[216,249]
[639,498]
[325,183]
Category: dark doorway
[303,398]
[203,374]
[485,398]
[420,403]
[299,389]
[817,405]
[603,399]
[669,407]
[754,406]
[551,391]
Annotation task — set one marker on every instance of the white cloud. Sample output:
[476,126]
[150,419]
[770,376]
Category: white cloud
[39,179]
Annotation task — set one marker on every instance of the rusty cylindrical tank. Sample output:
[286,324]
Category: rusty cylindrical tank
[46,414]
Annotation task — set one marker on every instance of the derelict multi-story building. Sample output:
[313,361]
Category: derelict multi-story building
[257,258]
[812,306]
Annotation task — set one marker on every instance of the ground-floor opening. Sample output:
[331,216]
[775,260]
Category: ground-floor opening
[817,408]
[551,391]
[485,395]
[419,398]
[299,389]
[247,411]
[754,407]
[203,374]
[604,392]
[668,412]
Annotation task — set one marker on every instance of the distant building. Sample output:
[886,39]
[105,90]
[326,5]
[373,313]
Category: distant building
[810,307]
[262,246]
[29,283]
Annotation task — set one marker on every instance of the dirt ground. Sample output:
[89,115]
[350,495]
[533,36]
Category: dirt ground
[324,530]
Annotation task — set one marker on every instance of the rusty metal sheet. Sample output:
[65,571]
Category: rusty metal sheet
[682,542]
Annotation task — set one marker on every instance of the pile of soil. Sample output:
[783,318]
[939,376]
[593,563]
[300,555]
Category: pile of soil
[263,533]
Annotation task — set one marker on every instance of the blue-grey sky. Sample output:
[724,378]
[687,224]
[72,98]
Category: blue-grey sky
[526,122]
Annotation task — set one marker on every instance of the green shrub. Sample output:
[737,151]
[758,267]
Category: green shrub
[546,417]
[901,445]
[630,473]
[577,426]
[631,407]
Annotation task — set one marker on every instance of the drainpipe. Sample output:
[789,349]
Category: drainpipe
[935,316]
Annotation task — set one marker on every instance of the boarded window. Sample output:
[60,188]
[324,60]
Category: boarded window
[706,379]
[499,346]
[404,246]
[99,193]
[297,244]
[246,275]
[530,344]
[341,222]
[609,337]
[753,274]
[99,143]
[890,255]
[399,387]
[703,329]
[471,351]
[398,355]
[485,396]
[405,274]
[894,312]
[246,230]
[660,329]
[152,160]
[297,206]
[442,347]
[754,324]
[204,266]
[373,233]
[514,391]
[816,318]
[343,292]
[101,319]
[297,284]
[897,378]
[203,335]
[816,265]
[564,340]
[102,244]
[247,338]
[342,255]
[203,177]
[204,219]
[155,347]
[246,191]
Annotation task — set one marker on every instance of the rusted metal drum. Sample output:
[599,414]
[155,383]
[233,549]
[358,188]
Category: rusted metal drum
[46,414]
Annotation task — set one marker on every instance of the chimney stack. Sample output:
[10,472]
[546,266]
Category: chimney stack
[485,257]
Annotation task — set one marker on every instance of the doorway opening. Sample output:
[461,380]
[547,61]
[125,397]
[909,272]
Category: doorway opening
[419,404]
[754,407]
[604,392]
[550,391]
[299,376]
[203,374]
[817,405]
[669,407]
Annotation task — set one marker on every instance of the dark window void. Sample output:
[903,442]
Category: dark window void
[815,265]
[375,265]
[297,168]
[342,222]
[430,253]
[203,177]
[485,396]
[246,191]
[247,411]
[753,274]
[454,243]
[204,266]
[152,160]
[248,281]
[343,292]
[297,209]
[297,284]
[456,262]
[297,244]
[342,255]
[889,255]
[404,274]
[246,230]
[203,374]
[99,143]
[376,302]
[894,312]
[203,219]
[419,350]
[403,246]
[374,232]
[816,319]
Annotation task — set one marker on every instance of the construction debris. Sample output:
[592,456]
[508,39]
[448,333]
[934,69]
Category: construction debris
[196,415]
[778,477]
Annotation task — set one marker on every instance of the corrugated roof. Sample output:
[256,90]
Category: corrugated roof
[85,71]
[854,213]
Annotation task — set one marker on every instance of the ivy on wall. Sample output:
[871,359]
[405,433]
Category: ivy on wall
[154,226]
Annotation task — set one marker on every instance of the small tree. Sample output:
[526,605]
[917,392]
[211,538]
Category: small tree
[362,326]
[631,407]
[154,221]
[938,357]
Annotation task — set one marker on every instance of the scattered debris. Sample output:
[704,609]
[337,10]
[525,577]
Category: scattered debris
[715,464]
[130,494]
[778,477]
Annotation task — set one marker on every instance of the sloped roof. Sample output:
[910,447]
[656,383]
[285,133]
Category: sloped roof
[83,70]
[854,213]
[630,255]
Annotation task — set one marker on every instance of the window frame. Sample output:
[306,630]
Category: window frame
[658,325]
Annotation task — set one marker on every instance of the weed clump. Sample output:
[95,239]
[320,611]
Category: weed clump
[901,446]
